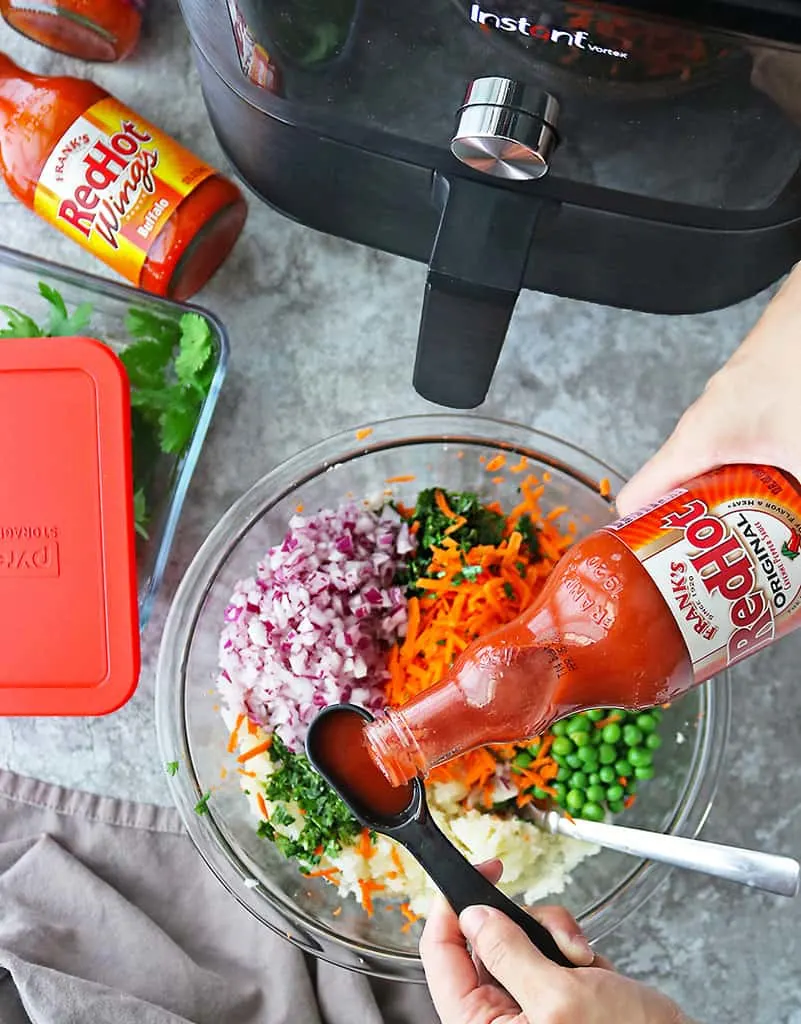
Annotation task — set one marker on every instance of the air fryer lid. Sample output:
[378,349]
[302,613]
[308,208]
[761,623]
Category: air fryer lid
[678,111]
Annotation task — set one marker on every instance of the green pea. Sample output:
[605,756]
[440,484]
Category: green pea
[562,746]
[573,761]
[577,723]
[607,754]
[587,755]
[561,792]
[615,794]
[596,714]
[611,733]
[646,723]
[581,739]
[522,759]
[640,757]
[656,714]
[653,741]
[623,769]
[631,785]
[534,749]
[596,794]
[592,811]
[578,780]
[540,794]
[645,771]
[607,773]
[616,807]
[574,799]
[559,728]
[563,774]
[594,779]
[632,736]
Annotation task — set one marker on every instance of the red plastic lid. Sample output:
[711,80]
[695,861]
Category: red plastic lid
[69,632]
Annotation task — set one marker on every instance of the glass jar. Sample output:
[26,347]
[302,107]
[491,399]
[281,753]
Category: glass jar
[99,30]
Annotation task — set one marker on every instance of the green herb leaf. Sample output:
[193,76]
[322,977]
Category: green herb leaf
[482,527]
[171,767]
[18,324]
[327,823]
[140,513]
[60,323]
[195,350]
[202,806]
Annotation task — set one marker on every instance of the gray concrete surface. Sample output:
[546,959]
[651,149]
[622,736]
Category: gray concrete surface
[323,335]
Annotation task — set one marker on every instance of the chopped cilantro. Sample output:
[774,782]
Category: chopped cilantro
[327,823]
[482,526]
[171,767]
[202,806]
[530,534]
[509,590]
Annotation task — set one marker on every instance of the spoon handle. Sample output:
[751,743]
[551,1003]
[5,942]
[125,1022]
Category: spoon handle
[765,871]
[464,886]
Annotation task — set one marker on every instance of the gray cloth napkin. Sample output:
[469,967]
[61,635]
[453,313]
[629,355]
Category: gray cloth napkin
[107,914]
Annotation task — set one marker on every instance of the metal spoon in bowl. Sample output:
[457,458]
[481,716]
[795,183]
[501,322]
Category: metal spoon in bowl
[765,871]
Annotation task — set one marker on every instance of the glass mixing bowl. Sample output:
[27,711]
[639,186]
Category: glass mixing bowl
[450,451]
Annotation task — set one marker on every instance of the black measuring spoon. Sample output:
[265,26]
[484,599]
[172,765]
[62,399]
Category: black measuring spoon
[461,884]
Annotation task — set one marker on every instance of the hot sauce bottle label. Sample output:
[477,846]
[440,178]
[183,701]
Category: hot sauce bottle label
[724,553]
[113,182]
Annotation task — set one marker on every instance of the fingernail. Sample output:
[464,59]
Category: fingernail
[471,920]
[576,948]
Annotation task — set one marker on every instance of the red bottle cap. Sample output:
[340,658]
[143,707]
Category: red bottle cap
[69,632]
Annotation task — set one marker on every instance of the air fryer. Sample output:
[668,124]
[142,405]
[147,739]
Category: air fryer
[644,156]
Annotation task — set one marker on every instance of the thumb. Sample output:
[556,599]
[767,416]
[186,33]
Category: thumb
[506,952]
[674,464]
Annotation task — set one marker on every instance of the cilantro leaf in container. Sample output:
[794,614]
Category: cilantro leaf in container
[170,365]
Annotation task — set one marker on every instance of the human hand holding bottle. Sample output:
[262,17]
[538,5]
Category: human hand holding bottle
[749,412]
[529,987]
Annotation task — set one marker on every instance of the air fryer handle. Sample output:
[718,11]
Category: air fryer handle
[474,277]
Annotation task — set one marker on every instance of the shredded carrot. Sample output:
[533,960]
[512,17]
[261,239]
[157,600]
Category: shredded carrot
[410,916]
[260,748]
[498,480]
[604,488]
[234,733]
[403,479]
[364,433]
[365,845]
[262,806]
[443,506]
[396,860]
[336,912]
[607,721]
[244,771]
[252,728]
[520,467]
[623,781]
[367,887]
[495,464]
[299,507]
[391,874]
[327,873]
[629,801]
[414,527]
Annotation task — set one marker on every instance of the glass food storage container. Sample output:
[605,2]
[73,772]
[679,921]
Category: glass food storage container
[121,316]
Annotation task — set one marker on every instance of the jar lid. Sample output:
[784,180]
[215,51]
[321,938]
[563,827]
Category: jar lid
[69,631]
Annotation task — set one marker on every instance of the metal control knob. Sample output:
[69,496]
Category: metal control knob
[506,129]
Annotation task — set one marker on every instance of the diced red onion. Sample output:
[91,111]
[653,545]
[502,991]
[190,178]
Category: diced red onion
[314,626]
